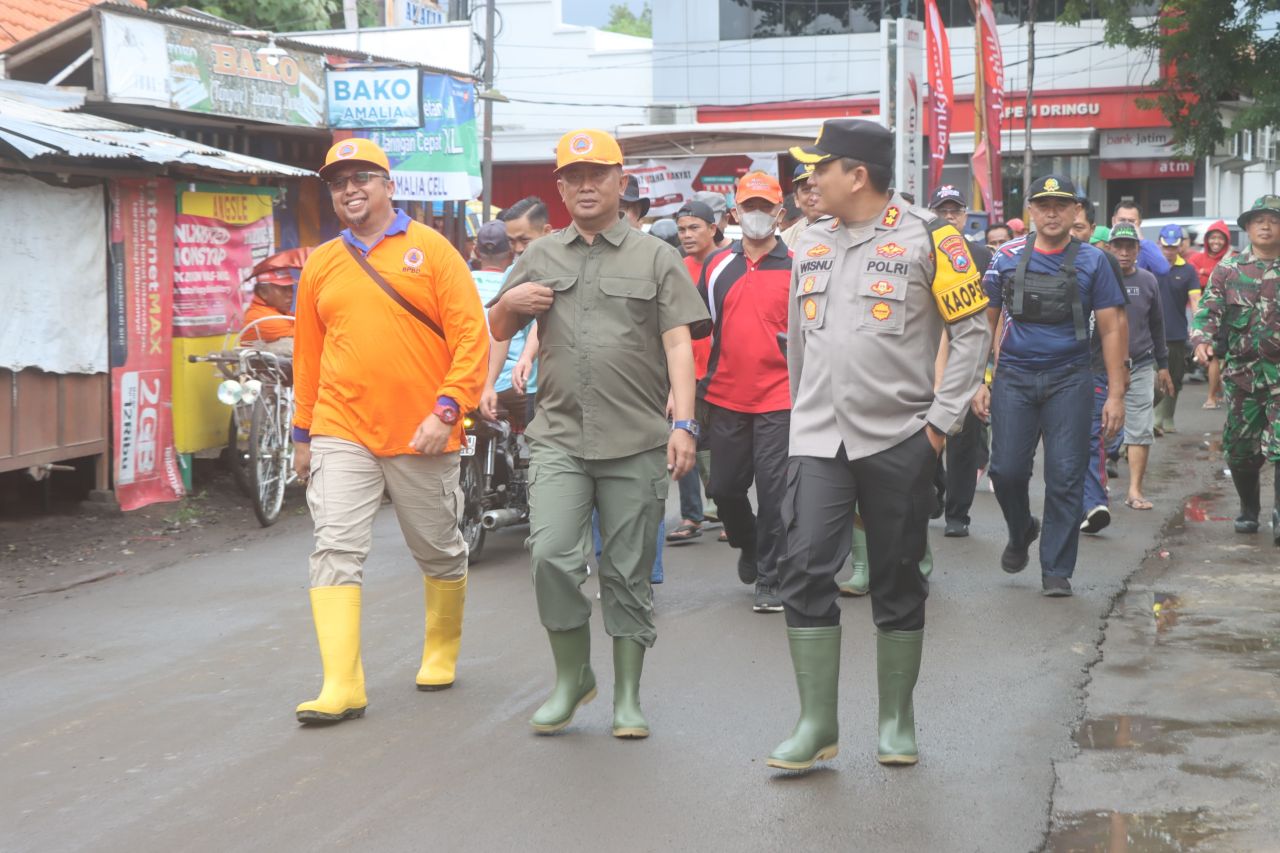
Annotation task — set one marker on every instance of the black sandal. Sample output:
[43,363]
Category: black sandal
[686,532]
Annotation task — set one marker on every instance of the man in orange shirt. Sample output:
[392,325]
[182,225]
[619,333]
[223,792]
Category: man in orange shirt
[272,297]
[391,346]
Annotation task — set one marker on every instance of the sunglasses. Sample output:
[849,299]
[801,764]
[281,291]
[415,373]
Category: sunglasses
[357,179]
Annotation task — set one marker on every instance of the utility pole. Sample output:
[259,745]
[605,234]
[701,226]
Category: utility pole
[350,16]
[486,167]
[1031,77]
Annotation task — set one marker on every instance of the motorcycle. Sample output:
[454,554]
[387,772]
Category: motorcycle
[494,478]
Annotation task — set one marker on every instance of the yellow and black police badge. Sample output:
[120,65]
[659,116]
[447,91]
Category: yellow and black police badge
[957,281]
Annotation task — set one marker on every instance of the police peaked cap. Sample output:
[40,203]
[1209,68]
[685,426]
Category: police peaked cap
[855,138]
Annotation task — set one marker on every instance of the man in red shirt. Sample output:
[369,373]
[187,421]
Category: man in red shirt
[746,386]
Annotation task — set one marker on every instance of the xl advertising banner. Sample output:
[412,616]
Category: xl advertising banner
[439,161]
[146,465]
[218,237]
[375,98]
[201,72]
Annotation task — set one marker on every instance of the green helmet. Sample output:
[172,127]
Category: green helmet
[1265,204]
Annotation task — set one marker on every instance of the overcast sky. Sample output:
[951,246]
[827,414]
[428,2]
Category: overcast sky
[594,13]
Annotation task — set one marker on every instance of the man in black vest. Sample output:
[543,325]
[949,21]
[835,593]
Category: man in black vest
[1042,289]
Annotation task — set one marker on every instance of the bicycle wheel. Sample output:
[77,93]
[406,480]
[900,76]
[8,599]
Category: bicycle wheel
[238,456]
[471,479]
[266,462]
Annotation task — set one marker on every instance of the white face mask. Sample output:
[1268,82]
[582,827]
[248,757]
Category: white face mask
[756,224]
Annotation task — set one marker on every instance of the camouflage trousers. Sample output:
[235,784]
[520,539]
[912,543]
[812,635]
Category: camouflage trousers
[1252,433]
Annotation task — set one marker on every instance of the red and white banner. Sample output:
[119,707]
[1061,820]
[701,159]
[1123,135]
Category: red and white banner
[212,259]
[146,464]
[986,151]
[940,91]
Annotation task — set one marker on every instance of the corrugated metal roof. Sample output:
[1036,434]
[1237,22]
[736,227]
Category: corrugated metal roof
[35,131]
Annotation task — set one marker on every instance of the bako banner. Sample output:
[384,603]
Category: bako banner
[218,237]
[439,161]
[375,98]
[146,464]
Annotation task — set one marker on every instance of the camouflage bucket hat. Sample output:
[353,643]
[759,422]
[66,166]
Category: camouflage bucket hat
[1265,204]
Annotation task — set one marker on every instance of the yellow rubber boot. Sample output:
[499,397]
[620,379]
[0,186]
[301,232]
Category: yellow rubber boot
[336,610]
[445,599]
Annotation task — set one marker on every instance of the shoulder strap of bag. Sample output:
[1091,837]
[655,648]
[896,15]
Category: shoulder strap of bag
[1020,274]
[1077,307]
[391,291]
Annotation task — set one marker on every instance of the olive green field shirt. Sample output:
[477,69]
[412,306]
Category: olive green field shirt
[602,372]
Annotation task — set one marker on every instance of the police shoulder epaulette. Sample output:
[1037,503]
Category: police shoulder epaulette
[927,215]
[957,281]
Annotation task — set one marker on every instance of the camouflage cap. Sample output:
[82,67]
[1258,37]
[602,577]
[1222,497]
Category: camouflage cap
[1265,204]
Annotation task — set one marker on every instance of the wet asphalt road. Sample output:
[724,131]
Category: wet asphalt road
[155,712]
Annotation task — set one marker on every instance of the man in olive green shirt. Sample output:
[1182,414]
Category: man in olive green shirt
[614,307]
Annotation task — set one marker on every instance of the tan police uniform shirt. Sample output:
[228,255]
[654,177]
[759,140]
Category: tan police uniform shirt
[602,372]
[868,308]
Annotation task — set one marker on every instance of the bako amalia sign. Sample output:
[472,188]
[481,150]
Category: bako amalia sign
[375,98]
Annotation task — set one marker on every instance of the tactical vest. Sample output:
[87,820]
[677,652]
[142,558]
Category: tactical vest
[1033,297]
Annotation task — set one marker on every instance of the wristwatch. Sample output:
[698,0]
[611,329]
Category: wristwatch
[446,413]
[690,427]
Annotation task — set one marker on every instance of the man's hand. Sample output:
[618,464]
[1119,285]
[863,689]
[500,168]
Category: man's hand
[302,459]
[936,437]
[489,403]
[1164,381]
[1204,352]
[520,374]
[981,403]
[1113,415]
[529,299]
[432,436]
[682,453]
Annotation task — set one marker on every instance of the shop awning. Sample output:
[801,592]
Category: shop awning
[705,139]
[52,131]
[1048,140]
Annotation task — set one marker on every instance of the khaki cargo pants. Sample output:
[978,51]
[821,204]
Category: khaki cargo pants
[630,494]
[345,490]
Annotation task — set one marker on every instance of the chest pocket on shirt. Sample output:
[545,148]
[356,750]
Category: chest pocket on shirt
[882,303]
[558,327]
[811,296]
[625,313]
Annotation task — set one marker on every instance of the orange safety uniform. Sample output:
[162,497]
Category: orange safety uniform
[271,330]
[365,369]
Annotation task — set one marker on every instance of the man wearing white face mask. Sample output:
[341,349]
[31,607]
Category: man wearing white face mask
[746,386]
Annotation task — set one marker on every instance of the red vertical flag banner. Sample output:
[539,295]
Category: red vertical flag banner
[941,91]
[986,150]
[146,465]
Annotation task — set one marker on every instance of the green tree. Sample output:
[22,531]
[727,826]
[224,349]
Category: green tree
[623,20]
[1219,54]
[282,15]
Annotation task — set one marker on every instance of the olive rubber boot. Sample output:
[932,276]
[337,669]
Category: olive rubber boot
[628,661]
[336,611]
[445,599]
[897,668]
[575,682]
[815,653]
[1250,492]
[860,581]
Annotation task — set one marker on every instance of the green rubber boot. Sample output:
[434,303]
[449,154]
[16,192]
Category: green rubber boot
[926,565]
[860,581]
[628,661]
[897,668]
[575,682]
[815,653]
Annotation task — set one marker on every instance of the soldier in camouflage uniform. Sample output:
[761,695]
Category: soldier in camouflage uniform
[1239,318]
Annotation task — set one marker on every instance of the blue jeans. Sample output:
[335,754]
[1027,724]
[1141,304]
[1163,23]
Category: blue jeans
[1025,406]
[1095,479]
[655,576]
[691,496]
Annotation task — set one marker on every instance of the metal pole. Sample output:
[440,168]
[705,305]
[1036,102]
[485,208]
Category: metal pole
[1031,76]
[350,16]
[486,198]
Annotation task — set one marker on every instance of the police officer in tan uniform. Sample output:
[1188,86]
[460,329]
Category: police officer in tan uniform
[872,291]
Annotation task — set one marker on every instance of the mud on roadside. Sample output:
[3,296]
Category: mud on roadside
[1179,747]
[74,545]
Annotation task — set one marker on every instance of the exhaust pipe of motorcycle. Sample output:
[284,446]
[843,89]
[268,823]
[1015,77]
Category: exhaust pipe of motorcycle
[495,518]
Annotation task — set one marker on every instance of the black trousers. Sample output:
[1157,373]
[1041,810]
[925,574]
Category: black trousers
[965,455]
[746,447]
[893,492]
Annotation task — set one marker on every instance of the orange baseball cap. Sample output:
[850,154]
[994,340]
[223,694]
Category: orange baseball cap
[759,185]
[587,146]
[354,150]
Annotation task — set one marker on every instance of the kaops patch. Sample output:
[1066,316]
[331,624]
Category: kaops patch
[890,250]
[957,285]
[955,250]
[818,250]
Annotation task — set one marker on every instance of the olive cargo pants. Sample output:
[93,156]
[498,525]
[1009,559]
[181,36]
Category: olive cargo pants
[630,494]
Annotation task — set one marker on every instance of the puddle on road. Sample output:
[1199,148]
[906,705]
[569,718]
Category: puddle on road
[1118,832]
[1160,736]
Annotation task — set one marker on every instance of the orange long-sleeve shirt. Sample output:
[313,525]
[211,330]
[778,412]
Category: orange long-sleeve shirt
[367,370]
[269,330]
